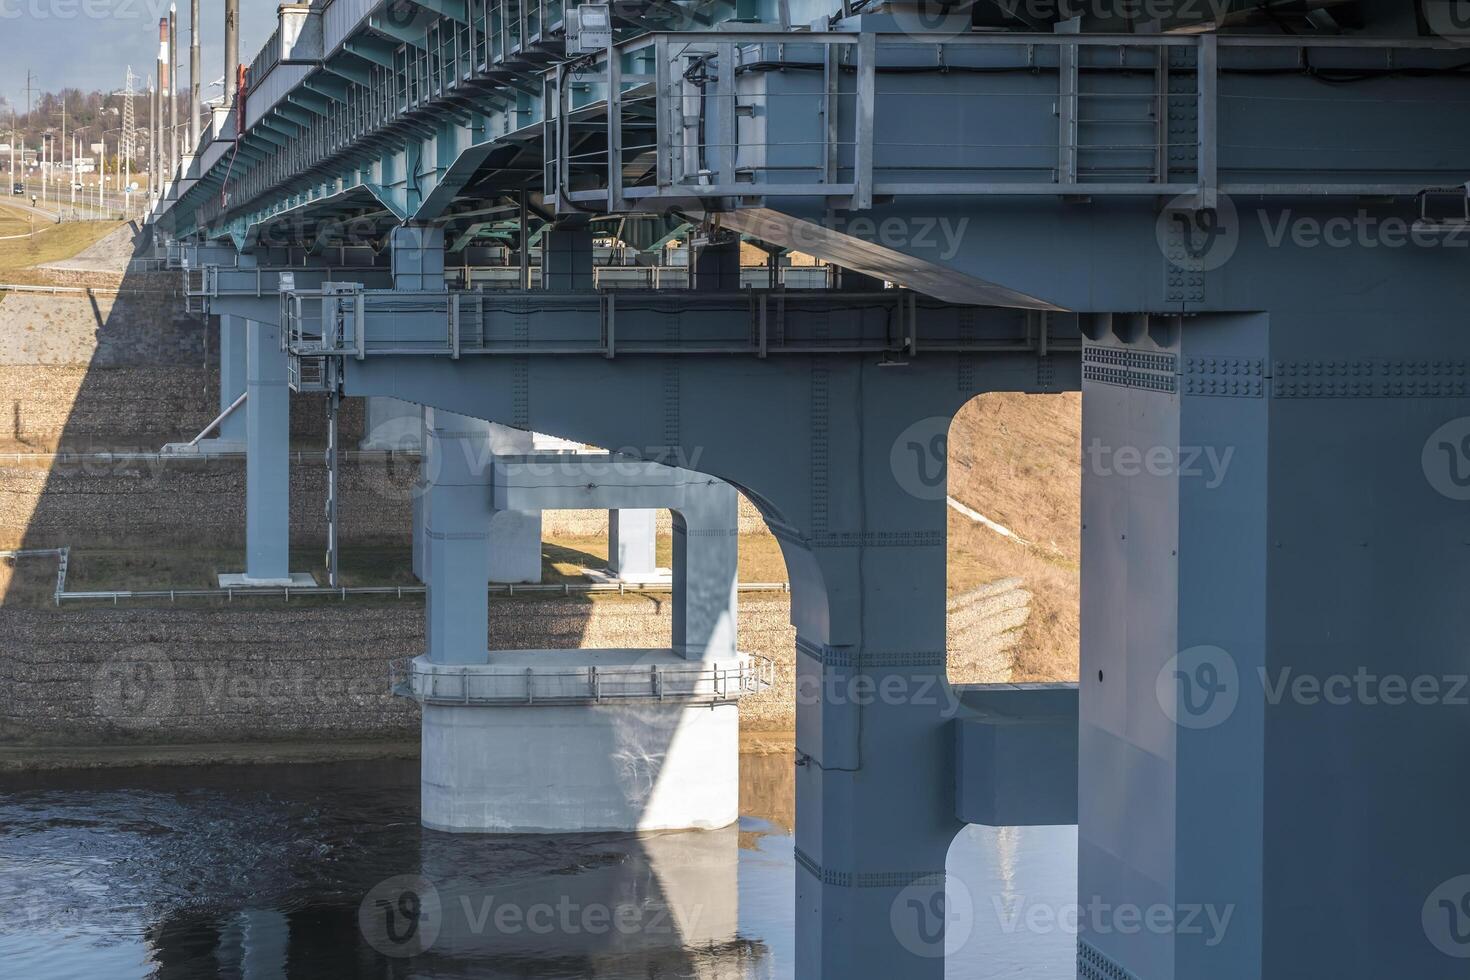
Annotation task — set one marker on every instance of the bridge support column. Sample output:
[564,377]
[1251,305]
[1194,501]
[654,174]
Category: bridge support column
[875,770]
[631,545]
[232,380]
[457,539]
[584,740]
[1273,648]
[839,454]
[267,464]
[419,501]
[515,535]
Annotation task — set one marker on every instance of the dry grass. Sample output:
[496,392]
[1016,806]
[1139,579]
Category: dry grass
[51,243]
[564,557]
[1017,460]
[13,221]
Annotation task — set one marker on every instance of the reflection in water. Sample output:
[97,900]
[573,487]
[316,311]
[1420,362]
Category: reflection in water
[323,871]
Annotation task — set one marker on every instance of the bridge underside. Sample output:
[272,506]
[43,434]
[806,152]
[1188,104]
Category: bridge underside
[1248,251]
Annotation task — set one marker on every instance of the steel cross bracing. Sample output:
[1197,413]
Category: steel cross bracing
[424,121]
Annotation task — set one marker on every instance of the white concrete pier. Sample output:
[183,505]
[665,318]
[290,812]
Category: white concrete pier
[573,741]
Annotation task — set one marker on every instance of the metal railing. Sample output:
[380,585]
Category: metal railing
[353,323]
[853,116]
[343,593]
[62,556]
[695,684]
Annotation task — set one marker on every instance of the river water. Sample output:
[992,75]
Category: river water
[323,871]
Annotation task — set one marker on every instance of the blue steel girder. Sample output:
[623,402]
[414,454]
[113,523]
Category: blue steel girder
[1140,115]
[1175,130]
[895,324]
[389,66]
[371,49]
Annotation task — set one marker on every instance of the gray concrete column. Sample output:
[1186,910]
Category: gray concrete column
[632,537]
[706,572]
[515,541]
[420,492]
[456,516]
[232,374]
[566,260]
[267,473]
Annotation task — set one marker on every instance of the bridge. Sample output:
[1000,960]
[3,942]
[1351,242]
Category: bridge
[1237,229]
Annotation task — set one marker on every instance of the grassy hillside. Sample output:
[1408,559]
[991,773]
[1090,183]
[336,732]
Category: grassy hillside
[1017,460]
[51,242]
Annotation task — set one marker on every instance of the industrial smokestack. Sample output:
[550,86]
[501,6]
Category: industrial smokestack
[158,146]
[232,49]
[173,96]
[194,88]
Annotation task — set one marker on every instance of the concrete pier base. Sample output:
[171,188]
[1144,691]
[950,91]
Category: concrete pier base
[240,580]
[534,751]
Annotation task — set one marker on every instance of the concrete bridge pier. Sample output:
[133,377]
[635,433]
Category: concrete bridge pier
[457,542]
[567,741]
[515,534]
[267,464]
[253,357]
[631,545]
[233,358]
[856,498]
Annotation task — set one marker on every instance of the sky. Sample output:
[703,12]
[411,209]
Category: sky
[89,44]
